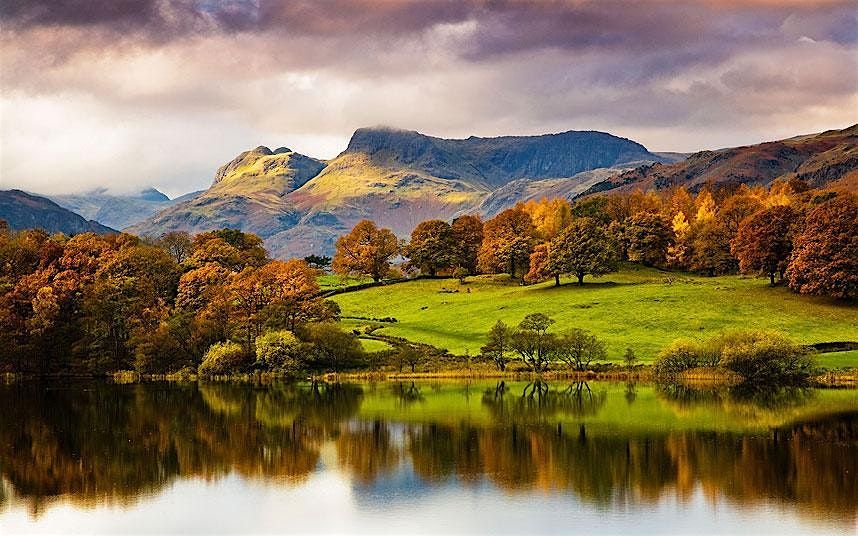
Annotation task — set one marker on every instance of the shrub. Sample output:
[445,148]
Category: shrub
[223,358]
[755,355]
[279,351]
[765,355]
[681,355]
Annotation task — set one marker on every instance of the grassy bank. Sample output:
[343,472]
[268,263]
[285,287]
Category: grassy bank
[640,308]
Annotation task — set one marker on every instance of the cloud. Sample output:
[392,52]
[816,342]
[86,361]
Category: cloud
[161,92]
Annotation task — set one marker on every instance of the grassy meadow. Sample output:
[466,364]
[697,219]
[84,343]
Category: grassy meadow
[639,308]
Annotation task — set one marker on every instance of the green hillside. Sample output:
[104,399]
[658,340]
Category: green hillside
[640,308]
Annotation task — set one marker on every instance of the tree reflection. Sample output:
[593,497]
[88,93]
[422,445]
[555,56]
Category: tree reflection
[106,443]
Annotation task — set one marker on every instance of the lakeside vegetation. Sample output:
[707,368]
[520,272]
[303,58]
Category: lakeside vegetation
[215,304]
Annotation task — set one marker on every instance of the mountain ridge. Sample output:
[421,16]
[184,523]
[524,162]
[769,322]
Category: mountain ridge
[21,210]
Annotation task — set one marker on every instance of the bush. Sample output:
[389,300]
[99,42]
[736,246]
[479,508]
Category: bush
[765,355]
[755,355]
[279,351]
[223,358]
[681,355]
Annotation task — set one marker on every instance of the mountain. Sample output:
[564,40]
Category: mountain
[397,178]
[26,211]
[827,159]
[117,211]
[248,193]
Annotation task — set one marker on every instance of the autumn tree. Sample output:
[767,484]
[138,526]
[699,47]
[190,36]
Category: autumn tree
[498,346]
[541,267]
[709,245]
[432,247]
[825,260]
[763,242]
[507,242]
[549,216]
[366,250]
[467,240]
[178,244]
[648,236]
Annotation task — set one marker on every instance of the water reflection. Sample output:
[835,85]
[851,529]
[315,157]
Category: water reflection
[605,443]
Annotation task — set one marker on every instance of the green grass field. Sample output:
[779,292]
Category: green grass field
[638,308]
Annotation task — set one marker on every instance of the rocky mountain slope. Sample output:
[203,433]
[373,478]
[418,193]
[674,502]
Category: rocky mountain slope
[21,210]
[117,211]
[248,193]
[827,159]
[398,178]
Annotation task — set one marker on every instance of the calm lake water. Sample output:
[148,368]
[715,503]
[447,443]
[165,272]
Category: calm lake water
[430,457]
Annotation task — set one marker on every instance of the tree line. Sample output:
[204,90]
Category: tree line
[214,302]
[789,233]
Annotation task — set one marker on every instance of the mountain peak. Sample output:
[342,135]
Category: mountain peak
[152,194]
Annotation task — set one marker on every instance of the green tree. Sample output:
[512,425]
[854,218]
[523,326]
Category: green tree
[279,351]
[498,345]
[432,247]
[647,236]
[533,343]
[584,247]
[333,349]
[577,348]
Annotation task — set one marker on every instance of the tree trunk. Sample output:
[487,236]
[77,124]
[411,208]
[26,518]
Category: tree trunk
[556,280]
[772,278]
[580,278]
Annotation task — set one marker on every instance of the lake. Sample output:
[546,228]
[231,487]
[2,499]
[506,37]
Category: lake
[428,457]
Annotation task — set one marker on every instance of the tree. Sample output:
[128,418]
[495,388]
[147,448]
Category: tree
[578,348]
[333,349]
[467,239]
[540,266]
[178,244]
[532,341]
[279,351]
[432,247]
[507,242]
[763,242]
[549,216]
[595,207]
[648,235]
[629,358]
[825,260]
[223,358]
[498,345]
[318,262]
[584,247]
[710,249]
[366,250]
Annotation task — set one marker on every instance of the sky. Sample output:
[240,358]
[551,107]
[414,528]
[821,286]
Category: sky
[126,94]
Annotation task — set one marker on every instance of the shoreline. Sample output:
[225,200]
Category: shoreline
[707,378]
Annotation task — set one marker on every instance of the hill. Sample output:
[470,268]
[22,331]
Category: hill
[116,211]
[398,178]
[638,308]
[827,159]
[21,210]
